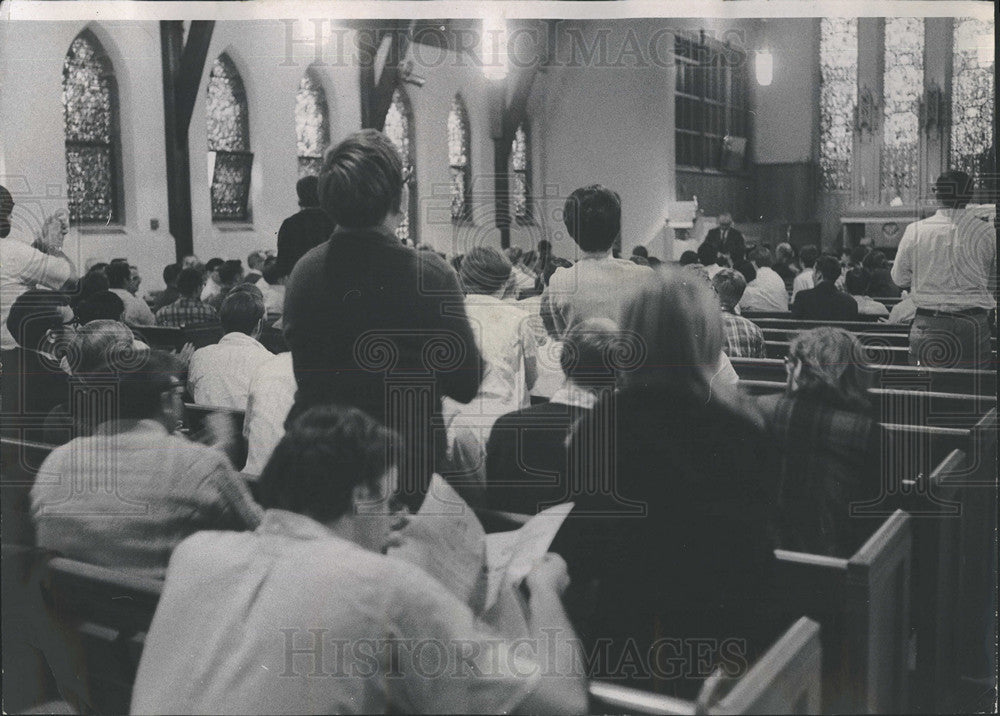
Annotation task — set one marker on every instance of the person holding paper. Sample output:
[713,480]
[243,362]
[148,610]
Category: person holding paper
[306,615]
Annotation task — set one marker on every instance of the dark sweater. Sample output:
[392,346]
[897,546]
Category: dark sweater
[299,233]
[824,303]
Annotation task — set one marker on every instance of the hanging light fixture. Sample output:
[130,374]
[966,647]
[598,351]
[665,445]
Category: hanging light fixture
[494,40]
[763,65]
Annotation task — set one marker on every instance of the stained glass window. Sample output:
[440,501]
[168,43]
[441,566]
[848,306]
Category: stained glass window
[458,160]
[903,86]
[520,176]
[399,128]
[90,106]
[229,153]
[838,62]
[972,98]
[312,124]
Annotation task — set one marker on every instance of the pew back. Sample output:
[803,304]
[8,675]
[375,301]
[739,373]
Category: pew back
[165,338]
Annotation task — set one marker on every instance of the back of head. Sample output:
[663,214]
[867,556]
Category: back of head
[142,380]
[875,260]
[100,267]
[170,274]
[242,309]
[230,272]
[214,264]
[729,285]
[92,283]
[858,255]
[307,189]
[689,257]
[857,281]
[119,274]
[762,256]
[828,268]
[101,306]
[831,367]
[484,270]
[676,316]
[189,282]
[808,255]
[593,217]
[707,254]
[589,353]
[361,181]
[749,272]
[325,453]
[953,189]
[641,251]
[33,314]
[101,345]
[783,252]
[272,271]
[255,260]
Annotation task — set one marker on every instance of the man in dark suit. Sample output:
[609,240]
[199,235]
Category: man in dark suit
[727,240]
[374,324]
[310,227]
[825,302]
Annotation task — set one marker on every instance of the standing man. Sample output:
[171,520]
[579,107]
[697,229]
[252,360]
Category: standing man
[374,324]
[727,240]
[25,266]
[309,227]
[948,261]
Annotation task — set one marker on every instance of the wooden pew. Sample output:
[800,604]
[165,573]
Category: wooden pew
[778,319]
[863,606]
[786,680]
[874,339]
[876,354]
[203,334]
[103,615]
[941,380]
[165,338]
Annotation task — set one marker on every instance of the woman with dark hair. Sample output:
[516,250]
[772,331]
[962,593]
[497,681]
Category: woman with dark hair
[828,444]
[670,528]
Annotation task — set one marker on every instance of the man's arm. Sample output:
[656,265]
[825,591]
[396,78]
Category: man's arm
[902,266]
[448,307]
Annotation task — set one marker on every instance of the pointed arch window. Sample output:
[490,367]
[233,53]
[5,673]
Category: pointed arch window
[520,176]
[229,156]
[838,63]
[459,141]
[398,126]
[93,141]
[312,123]
[973,99]
[903,87]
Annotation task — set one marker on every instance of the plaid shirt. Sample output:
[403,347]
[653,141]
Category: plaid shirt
[744,339]
[185,312]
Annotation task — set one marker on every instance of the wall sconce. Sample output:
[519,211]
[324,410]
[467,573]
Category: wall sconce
[494,39]
[763,65]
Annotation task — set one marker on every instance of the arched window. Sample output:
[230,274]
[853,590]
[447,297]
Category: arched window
[93,143]
[903,87]
[399,128]
[838,64]
[972,98]
[520,176]
[312,123]
[229,156]
[458,159]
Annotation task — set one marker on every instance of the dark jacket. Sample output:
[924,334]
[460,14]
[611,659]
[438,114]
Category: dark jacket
[374,324]
[32,386]
[824,303]
[299,233]
[734,244]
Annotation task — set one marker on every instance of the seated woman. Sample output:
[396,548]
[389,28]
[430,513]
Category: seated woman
[669,536]
[828,444]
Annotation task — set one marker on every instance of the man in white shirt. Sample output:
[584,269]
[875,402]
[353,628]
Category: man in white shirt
[948,262]
[220,374]
[272,394]
[766,293]
[597,285]
[213,284]
[806,277]
[306,615]
[23,266]
[137,313]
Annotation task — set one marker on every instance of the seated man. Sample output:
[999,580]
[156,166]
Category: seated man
[708,257]
[212,285]
[188,310]
[230,274]
[825,302]
[272,285]
[804,280]
[598,285]
[858,281]
[220,374]
[743,338]
[784,263]
[526,453]
[255,262]
[257,623]
[766,293]
[126,495]
[170,294]
[137,313]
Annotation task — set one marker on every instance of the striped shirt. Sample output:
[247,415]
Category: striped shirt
[744,339]
[185,312]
